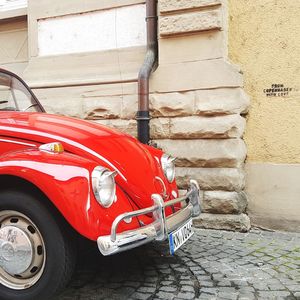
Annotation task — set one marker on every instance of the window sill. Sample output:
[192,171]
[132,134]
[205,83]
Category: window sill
[13,13]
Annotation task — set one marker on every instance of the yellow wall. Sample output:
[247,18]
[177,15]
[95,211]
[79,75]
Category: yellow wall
[264,40]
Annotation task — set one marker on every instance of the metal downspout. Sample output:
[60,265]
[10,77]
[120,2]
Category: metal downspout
[149,65]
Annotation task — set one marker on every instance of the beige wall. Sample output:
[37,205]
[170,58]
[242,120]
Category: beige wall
[264,40]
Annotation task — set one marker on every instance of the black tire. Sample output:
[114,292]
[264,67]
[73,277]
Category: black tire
[59,255]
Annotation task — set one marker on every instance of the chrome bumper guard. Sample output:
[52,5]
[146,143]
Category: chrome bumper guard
[159,229]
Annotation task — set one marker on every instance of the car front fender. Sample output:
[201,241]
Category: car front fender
[65,180]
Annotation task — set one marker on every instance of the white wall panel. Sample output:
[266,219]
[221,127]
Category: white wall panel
[12,4]
[93,31]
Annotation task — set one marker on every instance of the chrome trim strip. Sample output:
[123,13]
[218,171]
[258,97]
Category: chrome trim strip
[18,143]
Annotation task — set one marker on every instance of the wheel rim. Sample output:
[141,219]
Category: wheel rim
[22,251]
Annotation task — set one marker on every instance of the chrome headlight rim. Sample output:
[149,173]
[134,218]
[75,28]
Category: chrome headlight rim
[103,181]
[168,166]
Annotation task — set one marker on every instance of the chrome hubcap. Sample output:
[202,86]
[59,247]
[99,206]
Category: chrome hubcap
[15,250]
[22,251]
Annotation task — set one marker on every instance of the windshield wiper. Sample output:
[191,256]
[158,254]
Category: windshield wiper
[3,102]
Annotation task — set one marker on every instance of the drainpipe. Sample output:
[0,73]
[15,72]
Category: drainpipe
[149,65]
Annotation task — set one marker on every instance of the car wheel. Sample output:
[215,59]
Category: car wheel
[37,256]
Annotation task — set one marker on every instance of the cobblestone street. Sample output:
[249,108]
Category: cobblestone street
[214,265]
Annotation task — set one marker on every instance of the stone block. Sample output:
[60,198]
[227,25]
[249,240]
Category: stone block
[213,102]
[129,106]
[228,179]
[83,68]
[221,101]
[172,104]
[226,153]
[126,126]
[231,126]
[195,75]
[207,45]
[79,101]
[226,222]
[160,128]
[221,202]
[102,108]
[173,5]
[63,106]
[190,22]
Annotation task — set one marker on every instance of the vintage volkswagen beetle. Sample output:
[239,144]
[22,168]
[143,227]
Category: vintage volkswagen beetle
[62,176]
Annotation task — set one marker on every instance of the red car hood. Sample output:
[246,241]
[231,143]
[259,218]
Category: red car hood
[136,166]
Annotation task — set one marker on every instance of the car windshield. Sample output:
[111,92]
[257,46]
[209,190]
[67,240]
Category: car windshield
[15,96]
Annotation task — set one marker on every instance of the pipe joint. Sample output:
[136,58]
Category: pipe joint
[143,115]
[151,17]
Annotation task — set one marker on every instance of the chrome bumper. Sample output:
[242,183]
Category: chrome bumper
[159,229]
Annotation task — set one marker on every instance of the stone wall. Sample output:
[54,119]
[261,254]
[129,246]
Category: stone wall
[197,98]
[198,108]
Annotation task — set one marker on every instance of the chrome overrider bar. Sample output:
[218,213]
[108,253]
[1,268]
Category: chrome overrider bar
[159,229]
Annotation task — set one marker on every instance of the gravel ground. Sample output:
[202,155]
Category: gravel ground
[212,265]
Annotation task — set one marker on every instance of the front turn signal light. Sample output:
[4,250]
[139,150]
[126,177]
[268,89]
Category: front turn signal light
[52,147]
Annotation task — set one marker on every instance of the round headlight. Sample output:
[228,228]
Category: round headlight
[104,186]
[168,166]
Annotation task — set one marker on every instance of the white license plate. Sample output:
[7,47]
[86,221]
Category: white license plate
[180,236]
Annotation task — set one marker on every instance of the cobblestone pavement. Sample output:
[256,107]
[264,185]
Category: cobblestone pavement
[214,265]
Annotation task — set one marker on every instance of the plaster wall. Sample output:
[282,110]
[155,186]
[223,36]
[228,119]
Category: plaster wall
[273,195]
[264,41]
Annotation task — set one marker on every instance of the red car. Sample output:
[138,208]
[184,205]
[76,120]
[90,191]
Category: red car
[61,177]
